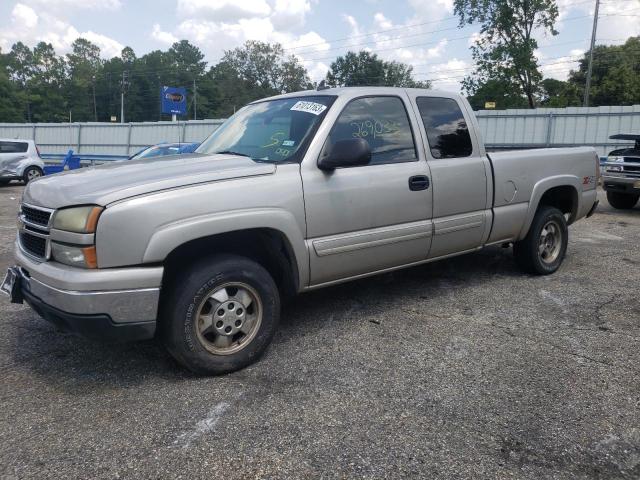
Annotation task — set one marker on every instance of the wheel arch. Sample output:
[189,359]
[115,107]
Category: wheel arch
[266,246]
[560,192]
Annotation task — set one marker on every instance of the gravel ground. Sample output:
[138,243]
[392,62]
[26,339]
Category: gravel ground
[464,368]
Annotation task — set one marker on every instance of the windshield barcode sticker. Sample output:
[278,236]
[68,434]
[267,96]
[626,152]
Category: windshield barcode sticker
[309,107]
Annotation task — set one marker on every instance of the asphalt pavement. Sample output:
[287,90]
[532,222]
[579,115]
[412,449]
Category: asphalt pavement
[465,368]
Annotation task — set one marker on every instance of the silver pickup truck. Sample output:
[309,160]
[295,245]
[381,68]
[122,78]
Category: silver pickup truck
[292,193]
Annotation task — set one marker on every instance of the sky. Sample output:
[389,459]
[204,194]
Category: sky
[422,33]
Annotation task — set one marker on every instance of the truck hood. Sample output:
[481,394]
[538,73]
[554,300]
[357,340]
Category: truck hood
[108,183]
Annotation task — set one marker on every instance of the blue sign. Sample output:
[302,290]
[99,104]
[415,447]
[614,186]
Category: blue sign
[174,100]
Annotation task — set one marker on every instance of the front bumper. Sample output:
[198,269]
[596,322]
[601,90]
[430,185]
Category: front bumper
[111,304]
[621,184]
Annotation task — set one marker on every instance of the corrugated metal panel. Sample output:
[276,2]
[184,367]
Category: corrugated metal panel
[108,138]
[515,128]
[521,128]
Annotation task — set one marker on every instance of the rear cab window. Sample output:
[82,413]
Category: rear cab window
[446,127]
[383,122]
[13,147]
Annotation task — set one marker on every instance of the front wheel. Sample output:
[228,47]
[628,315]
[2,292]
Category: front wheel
[542,251]
[220,315]
[31,173]
[622,201]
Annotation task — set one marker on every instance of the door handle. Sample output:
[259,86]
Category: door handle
[418,182]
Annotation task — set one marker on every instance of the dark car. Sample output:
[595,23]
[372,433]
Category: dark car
[163,149]
[621,176]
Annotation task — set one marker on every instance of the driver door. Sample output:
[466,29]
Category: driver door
[369,218]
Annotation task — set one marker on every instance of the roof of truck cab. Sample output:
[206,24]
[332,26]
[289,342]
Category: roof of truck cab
[355,91]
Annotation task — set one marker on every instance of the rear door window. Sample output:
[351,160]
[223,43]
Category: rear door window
[447,130]
[381,121]
[13,147]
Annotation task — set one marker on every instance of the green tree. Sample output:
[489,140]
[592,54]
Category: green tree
[365,68]
[9,111]
[84,65]
[616,74]
[47,85]
[505,48]
[497,91]
[266,67]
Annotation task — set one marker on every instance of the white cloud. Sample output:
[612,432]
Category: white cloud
[447,76]
[31,26]
[410,42]
[62,5]
[24,16]
[166,38]
[382,22]
[559,68]
[108,46]
[219,25]
[617,19]
[437,51]
[223,10]
[290,14]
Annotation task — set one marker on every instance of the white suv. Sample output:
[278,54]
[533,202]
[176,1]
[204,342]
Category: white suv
[19,160]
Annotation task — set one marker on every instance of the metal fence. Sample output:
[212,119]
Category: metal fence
[558,127]
[107,139]
[501,129]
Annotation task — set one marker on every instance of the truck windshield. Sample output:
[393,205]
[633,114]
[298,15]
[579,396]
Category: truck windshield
[271,131]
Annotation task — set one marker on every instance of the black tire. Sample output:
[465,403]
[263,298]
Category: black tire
[184,297]
[622,201]
[4,182]
[31,173]
[527,252]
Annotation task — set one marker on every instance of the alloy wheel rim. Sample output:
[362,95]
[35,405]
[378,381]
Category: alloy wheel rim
[550,242]
[33,173]
[228,318]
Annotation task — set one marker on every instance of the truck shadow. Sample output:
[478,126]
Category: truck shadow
[410,286]
[77,365]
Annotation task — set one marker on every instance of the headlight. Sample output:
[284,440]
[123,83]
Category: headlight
[83,257]
[615,159]
[77,219]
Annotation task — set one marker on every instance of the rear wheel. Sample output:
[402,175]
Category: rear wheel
[542,251]
[31,173]
[4,182]
[622,201]
[220,315]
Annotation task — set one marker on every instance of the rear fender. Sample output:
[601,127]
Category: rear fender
[544,185]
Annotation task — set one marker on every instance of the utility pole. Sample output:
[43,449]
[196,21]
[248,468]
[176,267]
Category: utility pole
[593,44]
[125,84]
[160,97]
[95,108]
[195,100]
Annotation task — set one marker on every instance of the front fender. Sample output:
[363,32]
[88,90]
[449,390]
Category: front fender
[170,236]
[540,188]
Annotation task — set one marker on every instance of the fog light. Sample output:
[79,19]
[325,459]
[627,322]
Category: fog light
[82,257]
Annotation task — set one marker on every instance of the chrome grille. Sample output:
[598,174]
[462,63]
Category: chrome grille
[35,215]
[33,232]
[631,168]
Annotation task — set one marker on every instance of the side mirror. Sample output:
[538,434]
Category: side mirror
[354,152]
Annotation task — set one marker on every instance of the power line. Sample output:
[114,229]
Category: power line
[403,27]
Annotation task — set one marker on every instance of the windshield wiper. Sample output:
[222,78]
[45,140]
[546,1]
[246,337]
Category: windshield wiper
[231,152]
